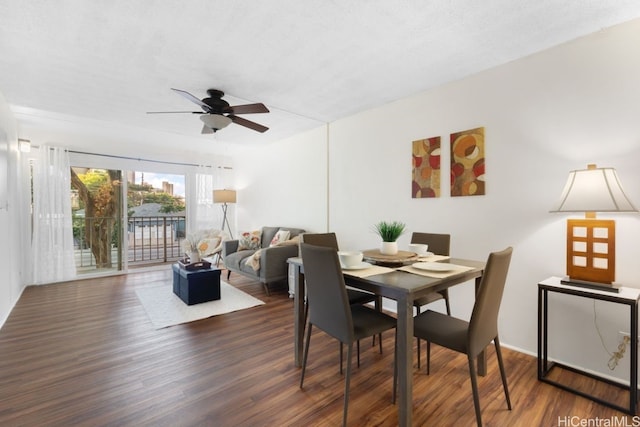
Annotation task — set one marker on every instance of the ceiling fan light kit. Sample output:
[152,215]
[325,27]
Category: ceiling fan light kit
[218,114]
[215,122]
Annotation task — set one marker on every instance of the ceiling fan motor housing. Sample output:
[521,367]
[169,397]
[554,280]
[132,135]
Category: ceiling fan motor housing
[215,101]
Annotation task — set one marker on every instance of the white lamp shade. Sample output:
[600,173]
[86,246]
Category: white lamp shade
[215,121]
[224,196]
[594,190]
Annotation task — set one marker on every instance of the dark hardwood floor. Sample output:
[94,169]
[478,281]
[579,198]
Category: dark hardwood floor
[84,353]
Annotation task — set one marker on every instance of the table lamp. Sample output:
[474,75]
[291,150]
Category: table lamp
[225,197]
[591,251]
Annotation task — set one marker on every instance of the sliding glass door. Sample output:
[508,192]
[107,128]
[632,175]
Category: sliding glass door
[112,231]
[96,204]
[155,217]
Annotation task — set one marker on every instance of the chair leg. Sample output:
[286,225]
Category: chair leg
[358,351]
[418,340]
[228,274]
[266,288]
[373,341]
[378,306]
[496,342]
[306,353]
[445,294]
[347,381]
[474,389]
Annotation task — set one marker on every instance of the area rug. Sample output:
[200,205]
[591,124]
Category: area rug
[164,308]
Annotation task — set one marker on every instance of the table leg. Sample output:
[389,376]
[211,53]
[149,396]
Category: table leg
[405,361]
[633,380]
[542,333]
[296,275]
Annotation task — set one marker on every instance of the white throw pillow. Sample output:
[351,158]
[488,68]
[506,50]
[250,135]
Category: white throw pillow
[281,236]
[207,246]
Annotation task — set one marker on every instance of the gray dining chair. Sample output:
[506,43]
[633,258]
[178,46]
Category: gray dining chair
[331,311]
[329,240]
[439,244]
[472,337]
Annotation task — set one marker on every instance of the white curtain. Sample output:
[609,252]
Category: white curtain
[202,213]
[53,252]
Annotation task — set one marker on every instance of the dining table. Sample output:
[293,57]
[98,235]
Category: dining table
[404,284]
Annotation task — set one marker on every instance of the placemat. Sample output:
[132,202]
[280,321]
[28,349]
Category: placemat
[366,272]
[432,258]
[457,269]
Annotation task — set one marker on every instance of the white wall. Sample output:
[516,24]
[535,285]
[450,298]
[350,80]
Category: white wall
[11,243]
[284,184]
[543,116]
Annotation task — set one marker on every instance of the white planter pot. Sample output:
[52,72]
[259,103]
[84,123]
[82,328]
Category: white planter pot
[194,257]
[389,248]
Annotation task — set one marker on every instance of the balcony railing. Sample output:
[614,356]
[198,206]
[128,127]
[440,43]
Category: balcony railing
[154,239]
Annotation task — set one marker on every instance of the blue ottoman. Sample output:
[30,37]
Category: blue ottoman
[196,286]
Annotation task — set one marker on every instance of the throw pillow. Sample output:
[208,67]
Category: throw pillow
[281,236]
[207,246]
[249,240]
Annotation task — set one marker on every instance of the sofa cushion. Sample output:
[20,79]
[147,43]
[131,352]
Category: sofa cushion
[250,240]
[236,260]
[267,235]
[293,232]
[269,232]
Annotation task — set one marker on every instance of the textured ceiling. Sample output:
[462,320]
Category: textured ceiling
[310,61]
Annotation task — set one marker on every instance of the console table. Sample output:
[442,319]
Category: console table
[626,296]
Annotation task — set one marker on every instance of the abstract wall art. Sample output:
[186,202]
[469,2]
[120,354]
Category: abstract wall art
[467,163]
[426,168]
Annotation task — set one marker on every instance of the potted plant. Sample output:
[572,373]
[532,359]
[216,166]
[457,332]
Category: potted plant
[190,248]
[389,232]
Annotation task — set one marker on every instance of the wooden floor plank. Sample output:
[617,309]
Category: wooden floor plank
[84,353]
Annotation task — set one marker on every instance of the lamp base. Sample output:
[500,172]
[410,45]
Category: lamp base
[608,287]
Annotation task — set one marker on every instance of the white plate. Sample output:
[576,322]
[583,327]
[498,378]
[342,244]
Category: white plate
[360,266]
[432,266]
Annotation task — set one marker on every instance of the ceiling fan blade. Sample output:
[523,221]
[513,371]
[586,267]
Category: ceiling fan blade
[206,129]
[249,109]
[193,99]
[173,112]
[248,124]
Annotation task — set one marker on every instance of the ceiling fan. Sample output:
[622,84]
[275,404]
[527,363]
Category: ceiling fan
[217,113]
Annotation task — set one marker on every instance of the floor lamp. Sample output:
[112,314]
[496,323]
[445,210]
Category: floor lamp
[591,242]
[225,197]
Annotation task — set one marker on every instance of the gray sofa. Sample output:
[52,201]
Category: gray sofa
[272,260]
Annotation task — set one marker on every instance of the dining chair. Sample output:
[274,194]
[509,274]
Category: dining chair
[439,244]
[331,311]
[329,240]
[472,337]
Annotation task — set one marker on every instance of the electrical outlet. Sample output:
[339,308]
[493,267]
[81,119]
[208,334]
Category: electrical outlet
[626,337]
